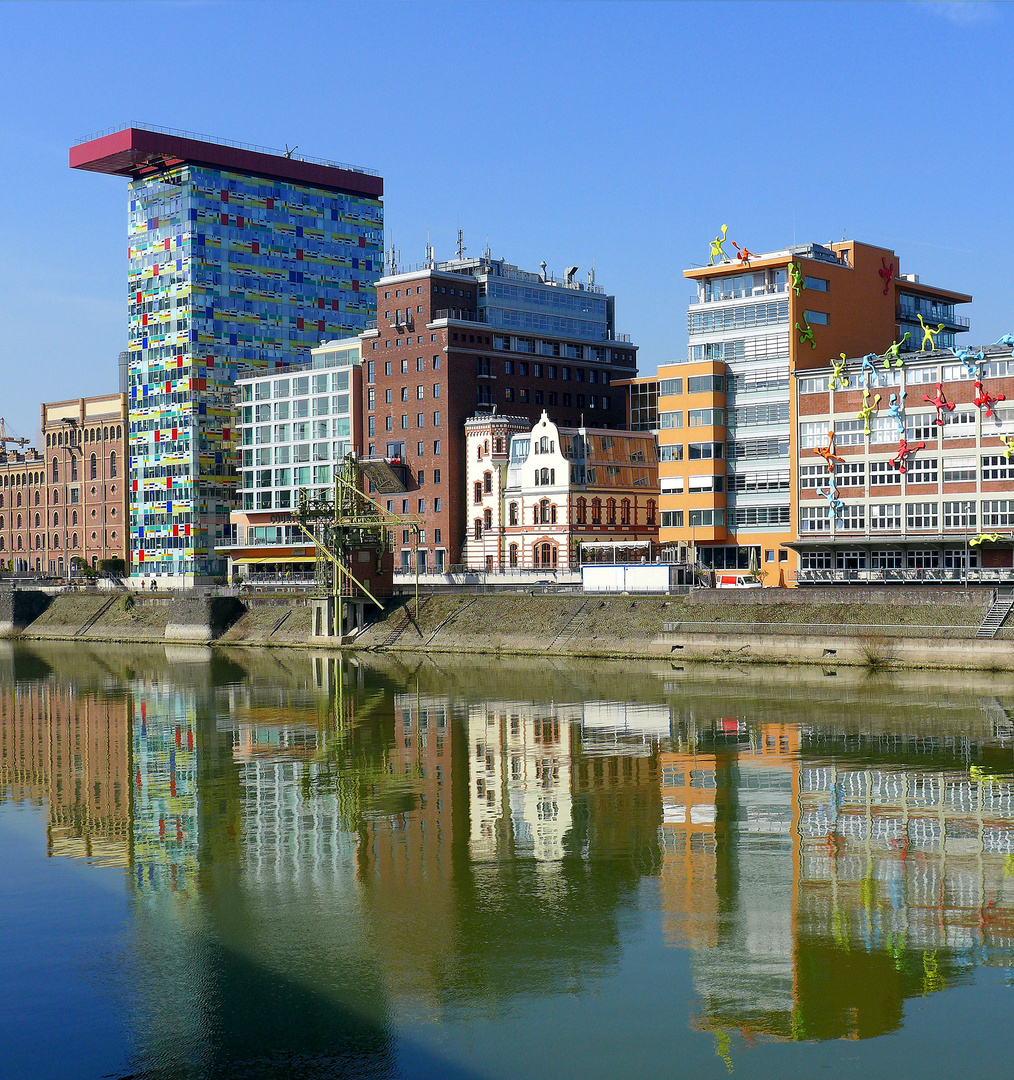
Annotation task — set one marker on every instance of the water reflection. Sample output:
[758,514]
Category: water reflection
[323,855]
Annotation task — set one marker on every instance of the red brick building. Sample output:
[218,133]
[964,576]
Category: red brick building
[468,335]
[22,489]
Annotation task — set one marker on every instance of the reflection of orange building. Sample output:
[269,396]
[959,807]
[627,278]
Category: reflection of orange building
[73,751]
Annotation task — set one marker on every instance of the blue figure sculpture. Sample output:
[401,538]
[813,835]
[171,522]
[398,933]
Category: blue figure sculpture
[970,360]
[897,410]
[835,506]
[869,367]
[1007,339]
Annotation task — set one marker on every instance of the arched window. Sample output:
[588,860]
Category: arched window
[596,511]
[105,433]
[512,513]
[1,543]
[544,511]
[56,541]
[56,497]
[552,514]
[625,512]
[581,511]
[73,541]
[119,431]
[19,521]
[478,453]
[93,468]
[1,498]
[544,476]
[38,521]
[112,464]
[512,554]
[56,521]
[73,468]
[487,519]
[19,543]
[650,512]
[19,498]
[477,493]
[611,512]
[73,517]
[56,471]
[544,556]
[487,483]
[477,530]
[1,521]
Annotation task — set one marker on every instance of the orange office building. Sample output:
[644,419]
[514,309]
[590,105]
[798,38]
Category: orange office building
[726,414]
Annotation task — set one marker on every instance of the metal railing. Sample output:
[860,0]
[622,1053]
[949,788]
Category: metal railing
[197,136]
[917,576]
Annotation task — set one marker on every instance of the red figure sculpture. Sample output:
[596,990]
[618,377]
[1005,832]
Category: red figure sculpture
[887,274]
[743,254]
[904,451]
[940,403]
[983,397]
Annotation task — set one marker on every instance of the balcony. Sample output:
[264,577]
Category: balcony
[911,312]
[973,575]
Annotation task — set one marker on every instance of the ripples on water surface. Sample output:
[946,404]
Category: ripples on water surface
[282,865]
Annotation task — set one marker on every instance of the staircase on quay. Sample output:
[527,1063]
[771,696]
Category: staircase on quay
[1000,609]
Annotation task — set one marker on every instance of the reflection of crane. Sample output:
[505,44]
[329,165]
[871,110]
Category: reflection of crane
[5,438]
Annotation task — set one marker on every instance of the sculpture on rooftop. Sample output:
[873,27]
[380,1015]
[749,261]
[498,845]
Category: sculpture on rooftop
[717,251]
[970,360]
[1007,339]
[928,335]
[744,255]
[893,352]
[840,375]
[869,368]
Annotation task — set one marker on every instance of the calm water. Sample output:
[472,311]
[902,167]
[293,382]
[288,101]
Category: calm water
[283,865]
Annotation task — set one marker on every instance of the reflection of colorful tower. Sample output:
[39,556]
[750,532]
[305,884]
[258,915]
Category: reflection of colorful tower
[166,832]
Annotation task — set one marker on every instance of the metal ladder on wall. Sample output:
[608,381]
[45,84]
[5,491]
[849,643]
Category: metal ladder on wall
[1003,603]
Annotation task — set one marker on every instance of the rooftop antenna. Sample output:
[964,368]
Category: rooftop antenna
[591,274]
[429,252]
[461,244]
[489,253]
[288,152]
[392,260]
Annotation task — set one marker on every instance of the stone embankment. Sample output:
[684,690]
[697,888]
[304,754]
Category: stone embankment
[873,628]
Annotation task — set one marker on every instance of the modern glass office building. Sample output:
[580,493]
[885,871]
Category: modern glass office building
[237,258]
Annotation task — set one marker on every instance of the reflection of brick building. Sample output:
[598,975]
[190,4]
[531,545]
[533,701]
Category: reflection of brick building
[72,751]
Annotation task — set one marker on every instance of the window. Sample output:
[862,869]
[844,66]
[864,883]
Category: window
[961,423]
[814,560]
[610,511]
[625,512]
[922,515]
[512,514]
[477,493]
[705,451]
[959,469]
[816,283]
[487,482]
[922,559]
[919,427]
[813,435]
[922,471]
[650,510]
[849,432]
[93,467]
[758,515]
[707,518]
[670,387]
[814,518]
[883,473]
[959,515]
[477,529]
[669,420]
[581,511]
[749,415]
[814,386]
[816,318]
[706,417]
[596,518]
[997,513]
[512,555]
[996,467]
[670,452]
[672,519]
[885,517]
[487,519]
[705,384]
[112,464]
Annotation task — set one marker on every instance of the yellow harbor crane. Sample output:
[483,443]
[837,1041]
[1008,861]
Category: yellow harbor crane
[13,439]
[350,522]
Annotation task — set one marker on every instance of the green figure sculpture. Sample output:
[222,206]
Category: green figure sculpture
[717,251]
[798,282]
[894,353]
[806,333]
[867,410]
[928,335]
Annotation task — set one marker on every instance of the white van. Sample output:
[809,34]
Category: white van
[731,580]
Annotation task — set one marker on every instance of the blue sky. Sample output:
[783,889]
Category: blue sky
[619,135]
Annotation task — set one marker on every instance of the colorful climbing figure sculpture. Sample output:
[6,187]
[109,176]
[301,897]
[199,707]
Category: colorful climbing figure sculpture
[894,353]
[840,377]
[717,251]
[1007,339]
[869,368]
[867,410]
[744,255]
[835,506]
[887,273]
[1008,442]
[805,333]
[928,335]
[984,398]
[984,538]
[939,403]
[970,360]
[896,409]
[904,452]
[827,453]
[796,280]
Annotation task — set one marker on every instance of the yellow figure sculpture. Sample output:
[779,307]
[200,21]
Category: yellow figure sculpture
[717,251]
[1008,442]
[983,538]
[867,410]
[928,335]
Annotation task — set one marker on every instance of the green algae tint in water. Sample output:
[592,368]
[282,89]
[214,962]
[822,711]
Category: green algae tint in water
[246,864]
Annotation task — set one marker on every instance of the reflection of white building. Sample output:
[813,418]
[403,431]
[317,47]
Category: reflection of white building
[623,727]
[520,779]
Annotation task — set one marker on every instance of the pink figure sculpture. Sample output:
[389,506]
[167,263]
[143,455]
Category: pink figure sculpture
[905,451]
[939,403]
[887,274]
[983,397]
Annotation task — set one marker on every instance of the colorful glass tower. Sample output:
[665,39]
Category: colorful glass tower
[238,257]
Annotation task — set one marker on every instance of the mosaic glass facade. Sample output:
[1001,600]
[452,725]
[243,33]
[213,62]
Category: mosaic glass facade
[226,271]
